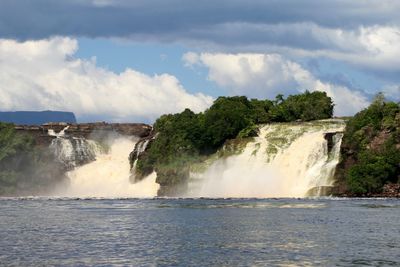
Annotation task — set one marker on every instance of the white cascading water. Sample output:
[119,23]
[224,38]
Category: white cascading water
[285,160]
[107,173]
[108,176]
[140,149]
[72,151]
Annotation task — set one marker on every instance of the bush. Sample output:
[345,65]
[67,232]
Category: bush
[372,172]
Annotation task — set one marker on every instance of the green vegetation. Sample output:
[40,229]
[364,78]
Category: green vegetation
[304,107]
[372,143]
[23,167]
[13,151]
[186,138]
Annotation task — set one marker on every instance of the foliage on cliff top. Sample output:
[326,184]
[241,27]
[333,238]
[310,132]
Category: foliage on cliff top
[11,143]
[372,138]
[11,146]
[185,137]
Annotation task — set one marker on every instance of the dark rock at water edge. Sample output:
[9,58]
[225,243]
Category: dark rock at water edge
[172,190]
[391,190]
[319,191]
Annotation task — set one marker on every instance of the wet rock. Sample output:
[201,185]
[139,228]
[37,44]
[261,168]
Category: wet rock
[329,137]
[391,190]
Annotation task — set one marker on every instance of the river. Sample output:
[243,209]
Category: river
[199,232]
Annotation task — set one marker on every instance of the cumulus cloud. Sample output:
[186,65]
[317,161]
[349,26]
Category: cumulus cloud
[44,74]
[266,75]
[375,47]
[371,48]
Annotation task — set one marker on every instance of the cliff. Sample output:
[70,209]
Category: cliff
[370,153]
[40,133]
[376,186]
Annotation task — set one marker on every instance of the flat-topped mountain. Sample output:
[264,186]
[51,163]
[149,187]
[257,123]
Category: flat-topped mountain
[36,117]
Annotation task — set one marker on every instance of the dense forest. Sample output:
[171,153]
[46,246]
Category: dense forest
[371,149]
[186,137]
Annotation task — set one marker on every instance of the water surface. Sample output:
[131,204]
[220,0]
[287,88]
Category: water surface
[200,232]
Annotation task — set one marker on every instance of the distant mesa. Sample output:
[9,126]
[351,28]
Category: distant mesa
[36,117]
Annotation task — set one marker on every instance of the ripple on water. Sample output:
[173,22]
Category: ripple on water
[199,232]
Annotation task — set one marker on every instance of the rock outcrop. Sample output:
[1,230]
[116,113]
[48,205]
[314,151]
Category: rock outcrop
[329,137]
[83,130]
[139,151]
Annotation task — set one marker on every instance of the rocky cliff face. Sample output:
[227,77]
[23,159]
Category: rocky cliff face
[83,130]
[139,152]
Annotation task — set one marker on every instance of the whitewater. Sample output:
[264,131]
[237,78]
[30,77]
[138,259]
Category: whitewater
[285,160]
[108,175]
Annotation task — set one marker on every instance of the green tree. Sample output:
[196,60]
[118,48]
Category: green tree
[226,118]
[305,107]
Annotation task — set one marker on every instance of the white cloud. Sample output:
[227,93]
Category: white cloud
[374,47]
[38,75]
[266,75]
[190,58]
[392,92]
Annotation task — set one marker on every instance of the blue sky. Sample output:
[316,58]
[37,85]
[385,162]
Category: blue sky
[150,58]
[120,60]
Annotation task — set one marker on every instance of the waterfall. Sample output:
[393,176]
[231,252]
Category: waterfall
[285,160]
[142,147]
[72,151]
[51,132]
[139,148]
[108,175]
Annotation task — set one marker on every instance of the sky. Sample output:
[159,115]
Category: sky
[134,60]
